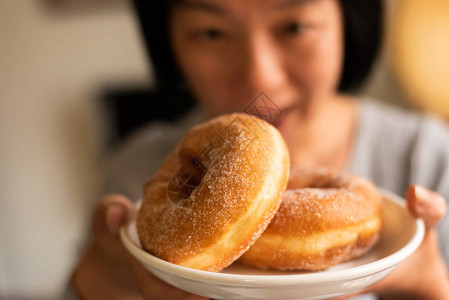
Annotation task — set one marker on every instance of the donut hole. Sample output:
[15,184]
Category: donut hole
[319,182]
[327,185]
[187,179]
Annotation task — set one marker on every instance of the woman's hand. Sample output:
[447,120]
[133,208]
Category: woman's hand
[423,275]
[108,271]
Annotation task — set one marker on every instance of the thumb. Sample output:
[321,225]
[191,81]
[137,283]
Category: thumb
[111,212]
[425,204]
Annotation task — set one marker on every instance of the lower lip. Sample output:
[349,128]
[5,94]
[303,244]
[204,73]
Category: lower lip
[282,118]
[280,121]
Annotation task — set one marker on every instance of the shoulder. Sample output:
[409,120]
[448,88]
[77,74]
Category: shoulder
[403,126]
[130,165]
[397,147]
[430,155]
[381,117]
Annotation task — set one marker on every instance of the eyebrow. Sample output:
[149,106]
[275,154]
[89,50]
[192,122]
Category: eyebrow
[292,3]
[204,6]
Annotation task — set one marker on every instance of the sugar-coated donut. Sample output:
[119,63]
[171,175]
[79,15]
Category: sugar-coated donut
[215,193]
[325,218]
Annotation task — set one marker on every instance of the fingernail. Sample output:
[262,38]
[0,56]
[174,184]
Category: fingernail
[422,199]
[114,218]
[419,199]
[421,195]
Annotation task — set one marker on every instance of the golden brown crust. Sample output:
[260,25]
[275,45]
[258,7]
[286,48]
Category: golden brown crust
[289,260]
[325,218]
[239,165]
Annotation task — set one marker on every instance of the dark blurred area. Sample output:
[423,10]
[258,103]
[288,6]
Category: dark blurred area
[74,7]
[129,109]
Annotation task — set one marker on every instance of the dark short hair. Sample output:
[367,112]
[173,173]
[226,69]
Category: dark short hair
[363,21]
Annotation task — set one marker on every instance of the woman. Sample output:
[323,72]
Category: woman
[303,54]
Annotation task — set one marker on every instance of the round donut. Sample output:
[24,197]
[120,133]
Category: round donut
[325,218]
[215,193]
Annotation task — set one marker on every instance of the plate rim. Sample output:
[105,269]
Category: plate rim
[389,261]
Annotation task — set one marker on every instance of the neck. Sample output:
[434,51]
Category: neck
[323,135]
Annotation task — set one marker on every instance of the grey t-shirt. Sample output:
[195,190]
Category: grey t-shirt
[394,148]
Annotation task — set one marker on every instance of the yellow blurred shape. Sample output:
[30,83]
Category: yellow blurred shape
[420,52]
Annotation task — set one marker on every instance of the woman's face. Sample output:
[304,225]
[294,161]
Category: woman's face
[231,50]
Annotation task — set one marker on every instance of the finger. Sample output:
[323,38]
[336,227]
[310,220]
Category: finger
[426,205]
[110,214]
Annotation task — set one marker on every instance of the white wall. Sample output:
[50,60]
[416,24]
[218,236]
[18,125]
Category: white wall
[51,67]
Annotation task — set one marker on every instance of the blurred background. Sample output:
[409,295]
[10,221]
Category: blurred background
[62,60]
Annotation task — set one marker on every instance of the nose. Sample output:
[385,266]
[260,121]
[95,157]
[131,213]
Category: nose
[264,70]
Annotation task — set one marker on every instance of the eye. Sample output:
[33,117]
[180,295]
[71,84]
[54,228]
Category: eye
[211,34]
[294,28]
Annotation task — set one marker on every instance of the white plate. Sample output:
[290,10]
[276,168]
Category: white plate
[400,236]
